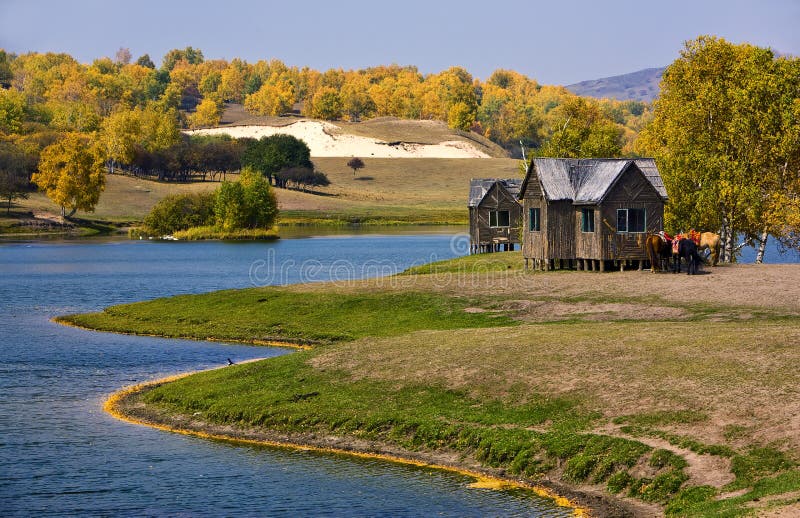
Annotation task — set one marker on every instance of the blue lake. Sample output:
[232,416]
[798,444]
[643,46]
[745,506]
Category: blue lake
[60,454]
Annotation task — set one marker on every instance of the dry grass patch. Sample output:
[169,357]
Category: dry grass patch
[743,375]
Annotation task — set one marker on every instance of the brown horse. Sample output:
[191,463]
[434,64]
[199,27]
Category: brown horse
[711,241]
[659,252]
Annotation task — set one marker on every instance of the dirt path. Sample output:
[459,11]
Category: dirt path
[703,470]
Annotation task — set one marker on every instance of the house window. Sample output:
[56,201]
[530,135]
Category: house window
[631,220]
[499,218]
[534,219]
[587,220]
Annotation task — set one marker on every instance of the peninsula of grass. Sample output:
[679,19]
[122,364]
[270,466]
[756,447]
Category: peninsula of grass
[680,402]
[288,315]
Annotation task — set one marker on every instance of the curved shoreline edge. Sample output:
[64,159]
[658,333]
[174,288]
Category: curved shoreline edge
[113,404]
[60,320]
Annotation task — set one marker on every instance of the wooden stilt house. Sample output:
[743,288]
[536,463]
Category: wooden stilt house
[495,214]
[590,213]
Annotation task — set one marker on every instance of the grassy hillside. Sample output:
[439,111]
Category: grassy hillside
[681,402]
[386,191]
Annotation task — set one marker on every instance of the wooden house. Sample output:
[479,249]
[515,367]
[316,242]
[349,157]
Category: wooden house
[495,214]
[590,213]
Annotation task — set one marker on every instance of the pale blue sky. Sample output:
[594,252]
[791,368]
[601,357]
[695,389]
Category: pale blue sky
[555,42]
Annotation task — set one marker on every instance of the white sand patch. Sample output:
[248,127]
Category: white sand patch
[326,140]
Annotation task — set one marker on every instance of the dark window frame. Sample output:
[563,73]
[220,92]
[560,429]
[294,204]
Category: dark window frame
[628,225]
[534,219]
[495,219]
[587,220]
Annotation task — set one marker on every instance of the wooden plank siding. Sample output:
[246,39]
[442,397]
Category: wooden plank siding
[588,245]
[534,243]
[496,199]
[631,191]
[562,237]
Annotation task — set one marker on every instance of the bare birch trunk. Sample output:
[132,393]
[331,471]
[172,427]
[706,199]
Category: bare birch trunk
[762,246]
[723,236]
[730,240]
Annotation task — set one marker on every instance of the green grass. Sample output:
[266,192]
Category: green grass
[471,264]
[200,233]
[288,395]
[280,314]
[484,370]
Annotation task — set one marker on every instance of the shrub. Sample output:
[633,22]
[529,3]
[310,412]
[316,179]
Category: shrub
[179,212]
[248,203]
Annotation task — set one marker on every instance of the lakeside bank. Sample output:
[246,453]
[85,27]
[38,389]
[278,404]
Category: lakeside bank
[125,405]
[492,408]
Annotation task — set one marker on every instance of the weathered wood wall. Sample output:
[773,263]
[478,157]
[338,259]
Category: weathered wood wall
[588,245]
[481,232]
[632,191]
[561,236]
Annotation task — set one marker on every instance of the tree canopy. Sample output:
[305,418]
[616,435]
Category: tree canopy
[269,155]
[248,203]
[726,135]
[72,173]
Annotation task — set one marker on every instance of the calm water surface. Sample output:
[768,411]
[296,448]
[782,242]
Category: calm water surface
[60,454]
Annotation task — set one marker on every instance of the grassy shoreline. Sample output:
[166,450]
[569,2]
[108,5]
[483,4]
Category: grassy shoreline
[126,405]
[595,399]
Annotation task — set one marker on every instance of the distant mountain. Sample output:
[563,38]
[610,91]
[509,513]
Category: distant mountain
[639,86]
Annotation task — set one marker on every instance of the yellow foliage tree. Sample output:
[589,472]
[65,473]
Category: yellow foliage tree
[271,99]
[326,104]
[208,113]
[71,173]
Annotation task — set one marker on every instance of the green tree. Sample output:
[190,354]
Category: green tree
[179,212]
[189,54]
[261,206]
[72,174]
[248,203]
[229,209]
[725,134]
[271,154]
[13,173]
[578,130]
[6,75]
[145,61]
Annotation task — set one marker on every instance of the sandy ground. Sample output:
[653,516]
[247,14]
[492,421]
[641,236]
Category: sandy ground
[327,140]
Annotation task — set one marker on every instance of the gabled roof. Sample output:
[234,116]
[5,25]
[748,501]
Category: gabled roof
[587,180]
[478,187]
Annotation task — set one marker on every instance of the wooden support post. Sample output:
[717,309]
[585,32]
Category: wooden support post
[640,265]
[580,264]
[622,266]
[602,265]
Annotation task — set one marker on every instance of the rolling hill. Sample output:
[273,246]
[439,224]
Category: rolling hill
[638,86]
